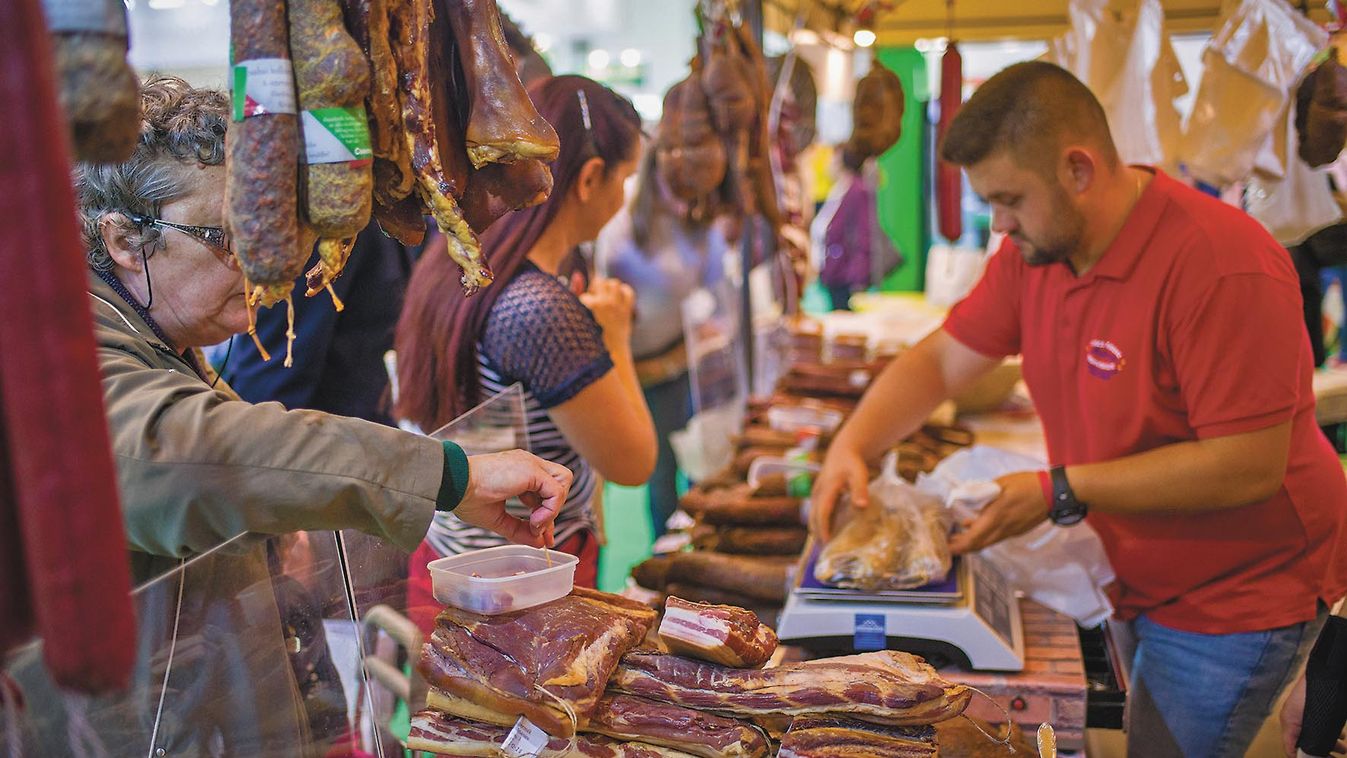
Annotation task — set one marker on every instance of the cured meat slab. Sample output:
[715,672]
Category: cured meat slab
[720,634]
[751,540]
[437,733]
[763,579]
[886,687]
[549,663]
[624,717]
[739,505]
[815,737]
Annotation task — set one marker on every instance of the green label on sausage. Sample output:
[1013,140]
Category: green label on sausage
[336,135]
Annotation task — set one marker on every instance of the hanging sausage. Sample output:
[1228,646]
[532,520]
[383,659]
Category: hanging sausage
[62,557]
[948,177]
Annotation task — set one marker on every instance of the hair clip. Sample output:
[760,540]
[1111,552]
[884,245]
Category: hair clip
[584,110]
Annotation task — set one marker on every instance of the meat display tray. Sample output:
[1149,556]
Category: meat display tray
[947,592]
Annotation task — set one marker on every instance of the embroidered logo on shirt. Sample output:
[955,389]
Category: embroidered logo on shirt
[1104,359]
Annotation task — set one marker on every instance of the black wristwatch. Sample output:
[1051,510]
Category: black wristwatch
[1066,510]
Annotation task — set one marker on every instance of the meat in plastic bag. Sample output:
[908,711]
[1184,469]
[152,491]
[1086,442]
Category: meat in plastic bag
[899,542]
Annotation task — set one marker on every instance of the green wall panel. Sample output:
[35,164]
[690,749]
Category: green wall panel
[901,193]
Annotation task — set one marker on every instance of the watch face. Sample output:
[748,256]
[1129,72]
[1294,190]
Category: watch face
[1067,516]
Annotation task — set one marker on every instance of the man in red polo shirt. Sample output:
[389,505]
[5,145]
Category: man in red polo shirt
[1162,342]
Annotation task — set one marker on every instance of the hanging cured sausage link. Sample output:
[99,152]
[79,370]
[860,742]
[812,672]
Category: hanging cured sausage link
[63,562]
[261,170]
[949,178]
[332,77]
[99,91]
[503,125]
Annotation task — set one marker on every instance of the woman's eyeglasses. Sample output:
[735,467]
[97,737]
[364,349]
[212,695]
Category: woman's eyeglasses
[212,237]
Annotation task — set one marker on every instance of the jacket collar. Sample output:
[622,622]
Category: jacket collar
[111,307]
[108,302]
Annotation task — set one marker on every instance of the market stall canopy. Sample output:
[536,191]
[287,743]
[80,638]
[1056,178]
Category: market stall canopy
[902,22]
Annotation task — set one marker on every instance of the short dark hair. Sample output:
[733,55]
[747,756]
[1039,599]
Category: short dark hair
[1029,109]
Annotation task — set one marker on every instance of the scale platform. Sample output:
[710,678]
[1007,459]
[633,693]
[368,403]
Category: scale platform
[971,620]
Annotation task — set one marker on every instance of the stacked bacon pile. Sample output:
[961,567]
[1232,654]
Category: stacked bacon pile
[586,676]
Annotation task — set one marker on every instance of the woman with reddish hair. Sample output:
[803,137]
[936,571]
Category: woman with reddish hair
[572,354]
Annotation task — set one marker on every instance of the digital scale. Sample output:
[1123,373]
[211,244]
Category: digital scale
[972,619]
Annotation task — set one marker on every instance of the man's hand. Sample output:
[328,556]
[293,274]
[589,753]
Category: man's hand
[539,484]
[1019,508]
[844,471]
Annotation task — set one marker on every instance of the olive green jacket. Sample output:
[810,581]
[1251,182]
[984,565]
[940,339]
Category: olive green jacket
[215,671]
[198,466]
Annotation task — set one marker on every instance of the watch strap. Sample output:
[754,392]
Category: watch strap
[1065,509]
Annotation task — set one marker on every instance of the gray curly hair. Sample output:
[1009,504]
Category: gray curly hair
[181,126]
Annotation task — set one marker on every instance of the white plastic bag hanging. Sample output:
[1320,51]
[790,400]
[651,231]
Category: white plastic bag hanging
[1063,568]
[1128,61]
[1260,50]
[1298,204]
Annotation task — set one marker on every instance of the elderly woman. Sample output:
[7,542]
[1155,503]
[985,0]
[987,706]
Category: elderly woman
[198,466]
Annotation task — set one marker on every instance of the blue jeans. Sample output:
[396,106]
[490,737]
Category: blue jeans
[1206,695]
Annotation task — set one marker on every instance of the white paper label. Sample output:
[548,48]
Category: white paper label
[525,740]
[263,86]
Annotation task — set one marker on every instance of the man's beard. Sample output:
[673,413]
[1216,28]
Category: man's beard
[1058,248]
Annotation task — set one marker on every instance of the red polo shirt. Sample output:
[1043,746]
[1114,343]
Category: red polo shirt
[1189,327]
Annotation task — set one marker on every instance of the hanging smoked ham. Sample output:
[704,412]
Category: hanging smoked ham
[949,177]
[64,568]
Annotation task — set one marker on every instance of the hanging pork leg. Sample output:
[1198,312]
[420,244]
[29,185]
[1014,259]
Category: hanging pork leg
[503,126]
[498,188]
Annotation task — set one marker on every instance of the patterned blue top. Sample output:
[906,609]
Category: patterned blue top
[540,335]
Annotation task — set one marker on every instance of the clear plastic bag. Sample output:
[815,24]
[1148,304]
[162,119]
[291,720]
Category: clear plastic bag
[1063,568]
[1258,53]
[899,542]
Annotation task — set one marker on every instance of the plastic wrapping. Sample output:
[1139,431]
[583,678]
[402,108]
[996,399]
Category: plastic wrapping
[897,543]
[1063,568]
[1257,55]
[1298,204]
[1129,63]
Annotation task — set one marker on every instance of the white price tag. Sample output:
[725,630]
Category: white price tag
[525,740]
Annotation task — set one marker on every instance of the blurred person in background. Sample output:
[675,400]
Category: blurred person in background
[664,256]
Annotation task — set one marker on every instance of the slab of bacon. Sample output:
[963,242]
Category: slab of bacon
[720,634]
[886,687]
[815,737]
[437,733]
[549,663]
[625,717]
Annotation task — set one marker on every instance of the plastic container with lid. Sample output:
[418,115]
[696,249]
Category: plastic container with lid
[502,579]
